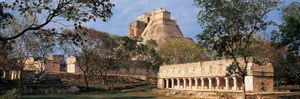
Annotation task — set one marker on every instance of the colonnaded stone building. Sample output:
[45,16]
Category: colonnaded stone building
[211,76]
[156,25]
[208,76]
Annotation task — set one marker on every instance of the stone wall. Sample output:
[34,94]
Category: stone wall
[227,95]
[258,79]
[136,28]
[263,84]
[211,68]
[207,68]
[71,63]
[262,70]
[156,25]
[200,94]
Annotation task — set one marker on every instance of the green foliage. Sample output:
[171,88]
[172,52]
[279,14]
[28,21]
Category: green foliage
[149,56]
[98,53]
[4,16]
[289,37]
[5,59]
[12,94]
[175,51]
[76,11]
[290,30]
[28,18]
[229,26]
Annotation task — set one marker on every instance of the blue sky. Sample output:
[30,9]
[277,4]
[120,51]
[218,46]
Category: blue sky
[127,11]
[183,11]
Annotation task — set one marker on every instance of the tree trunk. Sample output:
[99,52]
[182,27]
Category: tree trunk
[102,80]
[243,87]
[106,82]
[20,79]
[86,81]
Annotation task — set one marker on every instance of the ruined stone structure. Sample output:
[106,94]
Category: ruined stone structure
[209,76]
[71,64]
[54,64]
[156,25]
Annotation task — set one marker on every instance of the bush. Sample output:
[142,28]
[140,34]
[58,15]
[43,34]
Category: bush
[12,94]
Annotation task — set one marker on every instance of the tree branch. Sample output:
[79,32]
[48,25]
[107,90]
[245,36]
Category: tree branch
[32,27]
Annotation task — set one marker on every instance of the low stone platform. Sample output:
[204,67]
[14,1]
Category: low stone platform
[274,95]
[226,95]
[199,94]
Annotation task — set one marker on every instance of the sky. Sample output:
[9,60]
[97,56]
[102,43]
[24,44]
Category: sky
[183,11]
[126,11]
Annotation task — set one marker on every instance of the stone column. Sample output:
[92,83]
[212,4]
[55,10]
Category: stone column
[167,83]
[12,74]
[202,83]
[15,74]
[19,74]
[226,83]
[190,83]
[172,83]
[160,83]
[4,74]
[218,83]
[210,84]
[184,83]
[178,83]
[234,83]
[196,83]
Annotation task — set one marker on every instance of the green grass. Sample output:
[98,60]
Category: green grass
[99,95]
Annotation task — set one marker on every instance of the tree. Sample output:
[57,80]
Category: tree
[41,13]
[116,55]
[290,29]
[32,44]
[289,37]
[84,45]
[229,26]
[148,55]
[265,51]
[44,12]
[175,51]
[98,53]
[7,61]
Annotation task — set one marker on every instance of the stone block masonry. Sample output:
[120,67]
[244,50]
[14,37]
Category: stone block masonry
[156,25]
[211,76]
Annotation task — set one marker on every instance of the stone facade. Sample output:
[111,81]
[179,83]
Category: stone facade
[53,64]
[156,25]
[34,64]
[211,76]
[71,64]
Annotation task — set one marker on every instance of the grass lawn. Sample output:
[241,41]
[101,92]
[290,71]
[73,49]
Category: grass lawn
[99,95]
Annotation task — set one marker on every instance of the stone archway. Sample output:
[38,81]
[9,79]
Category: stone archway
[164,83]
[222,83]
[205,83]
[181,83]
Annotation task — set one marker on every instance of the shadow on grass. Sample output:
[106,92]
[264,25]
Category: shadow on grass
[119,97]
[127,97]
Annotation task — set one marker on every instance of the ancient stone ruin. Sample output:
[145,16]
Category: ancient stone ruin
[210,76]
[200,79]
[156,25]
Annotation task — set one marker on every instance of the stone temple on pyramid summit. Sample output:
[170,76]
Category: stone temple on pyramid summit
[156,25]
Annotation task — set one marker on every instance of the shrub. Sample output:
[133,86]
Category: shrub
[12,94]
